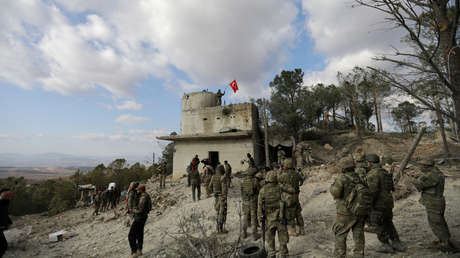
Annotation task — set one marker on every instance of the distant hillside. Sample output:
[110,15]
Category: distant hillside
[59,160]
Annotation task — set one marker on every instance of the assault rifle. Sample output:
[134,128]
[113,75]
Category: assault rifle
[264,218]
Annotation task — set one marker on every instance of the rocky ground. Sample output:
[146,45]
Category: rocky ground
[106,235]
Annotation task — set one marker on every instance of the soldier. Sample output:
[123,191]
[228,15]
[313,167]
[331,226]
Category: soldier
[219,95]
[290,182]
[136,232]
[431,184]
[208,172]
[228,173]
[97,202]
[271,213]
[195,180]
[193,166]
[218,186]
[346,220]
[249,193]
[162,171]
[380,184]
[132,197]
[281,154]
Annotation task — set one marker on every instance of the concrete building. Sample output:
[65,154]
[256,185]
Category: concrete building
[215,132]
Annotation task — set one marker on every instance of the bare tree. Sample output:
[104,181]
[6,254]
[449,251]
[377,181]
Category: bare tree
[434,53]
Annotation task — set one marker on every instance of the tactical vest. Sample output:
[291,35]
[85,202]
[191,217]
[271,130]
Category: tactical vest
[216,184]
[272,196]
[387,183]
[248,187]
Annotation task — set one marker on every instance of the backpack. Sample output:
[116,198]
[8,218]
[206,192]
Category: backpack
[359,200]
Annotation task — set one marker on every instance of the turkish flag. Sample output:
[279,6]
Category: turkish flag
[234,86]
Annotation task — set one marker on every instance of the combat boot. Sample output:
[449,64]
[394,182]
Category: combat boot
[245,233]
[447,247]
[292,231]
[134,255]
[255,235]
[301,231]
[398,246]
[139,253]
[385,248]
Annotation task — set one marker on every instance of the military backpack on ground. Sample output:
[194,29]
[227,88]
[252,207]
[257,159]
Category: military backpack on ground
[359,200]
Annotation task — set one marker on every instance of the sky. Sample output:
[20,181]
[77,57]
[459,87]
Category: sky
[104,78]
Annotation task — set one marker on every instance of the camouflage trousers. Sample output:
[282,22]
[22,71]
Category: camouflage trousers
[438,224]
[341,228]
[162,181]
[220,205]
[384,227]
[250,213]
[294,216]
[283,239]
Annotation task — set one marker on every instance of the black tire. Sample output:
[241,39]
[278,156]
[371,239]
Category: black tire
[252,251]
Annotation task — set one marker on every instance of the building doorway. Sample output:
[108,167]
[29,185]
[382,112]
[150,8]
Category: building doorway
[214,158]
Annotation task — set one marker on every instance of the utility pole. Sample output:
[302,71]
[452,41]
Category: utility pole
[267,153]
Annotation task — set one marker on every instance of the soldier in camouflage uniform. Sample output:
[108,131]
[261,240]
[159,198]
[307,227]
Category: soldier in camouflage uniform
[249,193]
[346,220]
[208,172]
[162,171]
[195,181]
[360,164]
[281,155]
[290,182]
[228,173]
[381,186]
[218,186]
[272,208]
[431,184]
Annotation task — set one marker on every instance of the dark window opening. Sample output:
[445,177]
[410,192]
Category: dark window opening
[214,158]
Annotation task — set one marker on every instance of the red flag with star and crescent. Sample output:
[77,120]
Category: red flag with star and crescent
[234,86]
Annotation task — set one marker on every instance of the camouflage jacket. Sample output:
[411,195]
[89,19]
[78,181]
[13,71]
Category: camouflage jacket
[361,170]
[132,199]
[380,184]
[269,201]
[431,184]
[143,207]
[218,186]
[341,188]
[290,177]
[249,188]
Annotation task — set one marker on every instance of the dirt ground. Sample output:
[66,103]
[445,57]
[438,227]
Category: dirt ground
[95,238]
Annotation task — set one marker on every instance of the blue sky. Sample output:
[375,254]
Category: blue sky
[104,78]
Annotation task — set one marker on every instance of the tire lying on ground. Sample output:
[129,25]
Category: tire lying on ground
[252,251]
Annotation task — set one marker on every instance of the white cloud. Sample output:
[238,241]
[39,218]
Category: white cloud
[134,135]
[346,36]
[212,42]
[130,119]
[129,105]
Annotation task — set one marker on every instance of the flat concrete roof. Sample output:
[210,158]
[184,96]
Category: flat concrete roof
[209,136]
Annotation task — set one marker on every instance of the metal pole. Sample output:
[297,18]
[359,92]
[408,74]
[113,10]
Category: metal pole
[267,153]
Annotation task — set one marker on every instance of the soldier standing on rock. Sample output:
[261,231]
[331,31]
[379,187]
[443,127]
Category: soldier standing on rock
[431,185]
[346,220]
[271,212]
[218,186]
[249,194]
[281,154]
[381,186]
[136,232]
[290,182]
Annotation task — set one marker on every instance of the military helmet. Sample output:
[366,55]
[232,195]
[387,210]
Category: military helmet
[346,162]
[287,163]
[426,162]
[271,177]
[252,171]
[374,158]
